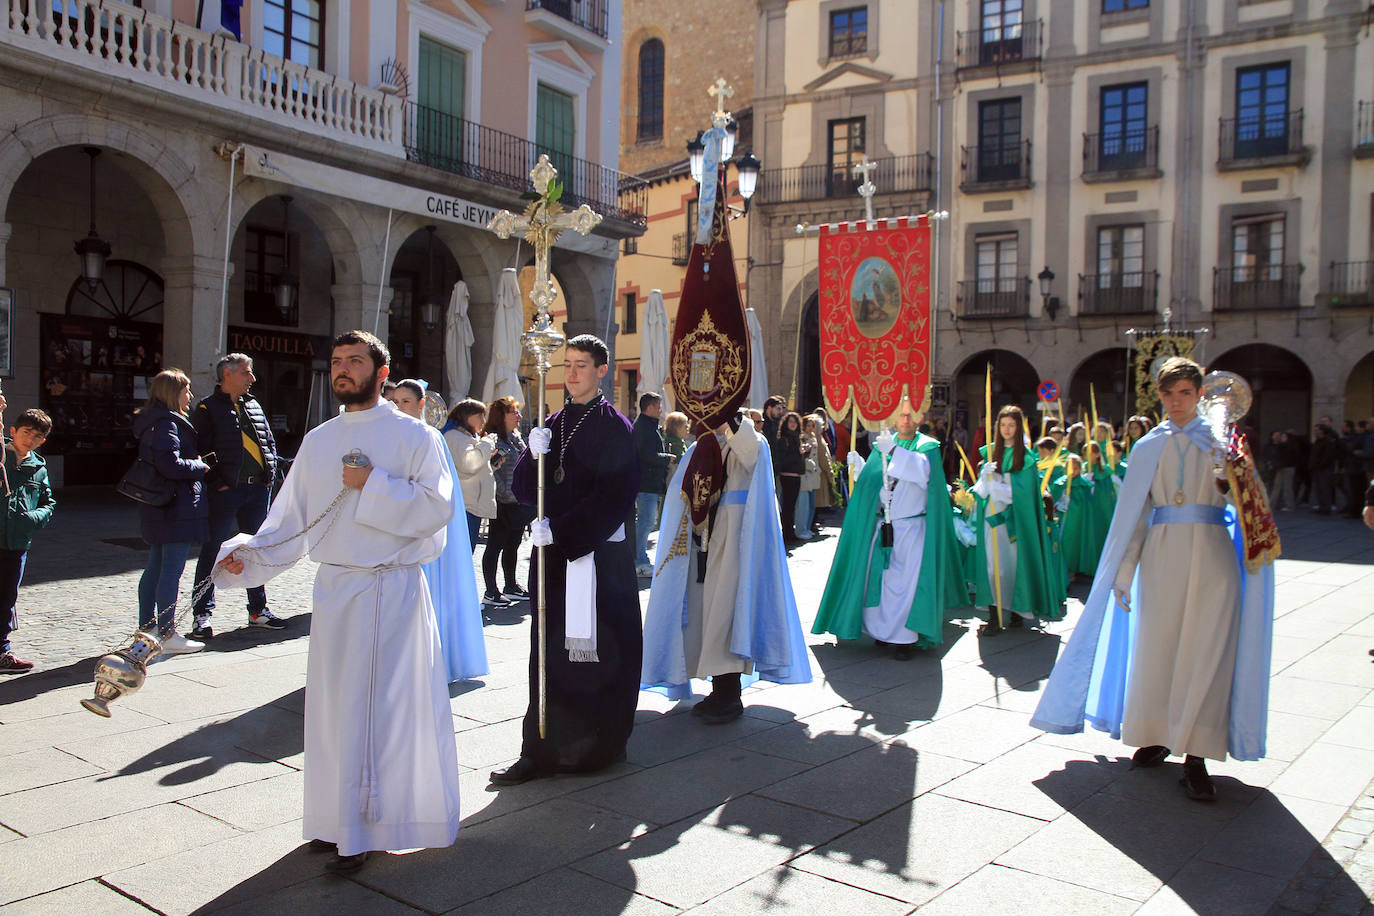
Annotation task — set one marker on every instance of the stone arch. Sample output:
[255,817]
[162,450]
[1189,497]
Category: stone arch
[1281,382]
[1014,381]
[333,216]
[1103,374]
[1359,389]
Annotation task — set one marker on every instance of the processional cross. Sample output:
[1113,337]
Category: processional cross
[543,222]
[864,172]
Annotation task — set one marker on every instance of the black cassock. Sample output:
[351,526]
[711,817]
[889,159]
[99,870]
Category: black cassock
[590,705]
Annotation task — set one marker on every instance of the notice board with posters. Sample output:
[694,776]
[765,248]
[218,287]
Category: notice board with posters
[95,374]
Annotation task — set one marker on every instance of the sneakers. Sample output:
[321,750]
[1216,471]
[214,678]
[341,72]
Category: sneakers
[514,593]
[10,664]
[266,619]
[202,630]
[495,599]
[176,644]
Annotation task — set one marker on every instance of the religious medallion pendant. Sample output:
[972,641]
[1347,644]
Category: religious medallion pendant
[558,476]
[1179,498]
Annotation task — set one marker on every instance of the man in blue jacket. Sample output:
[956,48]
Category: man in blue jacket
[231,424]
[653,476]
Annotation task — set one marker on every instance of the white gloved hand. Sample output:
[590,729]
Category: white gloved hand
[886,442]
[1123,597]
[885,497]
[540,437]
[541,535]
[855,461]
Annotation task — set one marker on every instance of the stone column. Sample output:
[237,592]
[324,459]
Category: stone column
[191,317]
[5,231]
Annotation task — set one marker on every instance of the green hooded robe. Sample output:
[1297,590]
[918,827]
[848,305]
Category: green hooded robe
[856,577]
[1036,590]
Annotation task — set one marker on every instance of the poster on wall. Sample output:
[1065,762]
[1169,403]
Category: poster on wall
[94,376]
[6,333]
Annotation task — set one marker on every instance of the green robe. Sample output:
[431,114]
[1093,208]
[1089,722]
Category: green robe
[1083,535]
[1036,590]
[856,575]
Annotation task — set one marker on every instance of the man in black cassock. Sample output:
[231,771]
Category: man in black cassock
[591,476]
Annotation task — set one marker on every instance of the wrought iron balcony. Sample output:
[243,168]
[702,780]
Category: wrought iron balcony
[1256,288]
[1000,46]
[682,248]
[894,175]
[1261,141]
[1132,293]
[1364,130]
[1003,297]
[996,168]
[1121,156]
[452,144]
[589,14]
[1350,284]
[124,43]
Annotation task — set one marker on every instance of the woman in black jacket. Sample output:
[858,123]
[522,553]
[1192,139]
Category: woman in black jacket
[791,464]
[167,440]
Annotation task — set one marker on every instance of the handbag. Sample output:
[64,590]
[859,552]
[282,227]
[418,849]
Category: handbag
[143,484]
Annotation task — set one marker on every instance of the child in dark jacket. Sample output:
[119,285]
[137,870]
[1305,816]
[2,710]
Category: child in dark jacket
[28,507]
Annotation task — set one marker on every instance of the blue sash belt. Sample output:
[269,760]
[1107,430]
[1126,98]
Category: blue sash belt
[1188,514]
[733,498]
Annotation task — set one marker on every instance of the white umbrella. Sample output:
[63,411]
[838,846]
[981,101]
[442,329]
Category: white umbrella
[503,372]
[758,382]
[458,344]
[653,346]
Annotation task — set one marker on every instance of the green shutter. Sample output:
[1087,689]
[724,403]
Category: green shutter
[443,74]
[555,130]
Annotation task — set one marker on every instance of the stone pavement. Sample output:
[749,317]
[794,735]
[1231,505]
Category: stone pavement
[881,788]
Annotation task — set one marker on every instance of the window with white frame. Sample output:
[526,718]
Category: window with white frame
[997,263]
[1257,248]
[1120,257]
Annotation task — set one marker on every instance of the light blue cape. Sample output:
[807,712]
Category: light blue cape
[453,592]
[1089,681]
[767,628]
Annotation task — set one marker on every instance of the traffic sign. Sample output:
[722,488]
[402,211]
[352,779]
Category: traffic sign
[1048,391]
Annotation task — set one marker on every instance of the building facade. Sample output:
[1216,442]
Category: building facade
[262,184]
[1197,166]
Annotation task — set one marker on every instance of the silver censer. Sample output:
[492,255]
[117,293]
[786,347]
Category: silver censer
[122,672]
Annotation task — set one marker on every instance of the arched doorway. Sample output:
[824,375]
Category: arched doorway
[1102,376]
[1282,386]
[1014,381]
[1359,390]
[423,275]
[809,395]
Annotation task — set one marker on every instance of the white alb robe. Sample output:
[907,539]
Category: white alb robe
[1188,596]
[381,767]
[711,604]
[909,472]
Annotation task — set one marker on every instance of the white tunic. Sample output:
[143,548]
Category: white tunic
[1184,653]
[381,768]
[711,604]
[909,473]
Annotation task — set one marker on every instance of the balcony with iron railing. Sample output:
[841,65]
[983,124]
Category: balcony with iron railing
[893,175]
[993,168]
[682,249]
[128,45]
[575,20]
[1349,284]
[1001,46]
[1256,287]
[1262,141]
[999,297]
[461,147]
[1364,131]
[1130,155]
[1126,293]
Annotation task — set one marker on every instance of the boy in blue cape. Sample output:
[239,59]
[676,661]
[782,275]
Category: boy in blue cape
[1172,652]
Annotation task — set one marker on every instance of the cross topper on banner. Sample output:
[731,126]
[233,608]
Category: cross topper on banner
[875,318]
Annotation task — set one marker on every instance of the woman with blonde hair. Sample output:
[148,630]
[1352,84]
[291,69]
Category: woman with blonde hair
[676,433]
[472,453]
[167,441]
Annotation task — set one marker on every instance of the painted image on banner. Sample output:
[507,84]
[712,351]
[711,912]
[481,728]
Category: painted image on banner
[875,297]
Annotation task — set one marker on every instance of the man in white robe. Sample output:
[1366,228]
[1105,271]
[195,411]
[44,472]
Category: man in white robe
[381,769]
[904,499]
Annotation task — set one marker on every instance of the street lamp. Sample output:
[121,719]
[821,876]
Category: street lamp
[429,309]
[696,156]
[284,290]
[1050,305]
[748,170]
[93,250]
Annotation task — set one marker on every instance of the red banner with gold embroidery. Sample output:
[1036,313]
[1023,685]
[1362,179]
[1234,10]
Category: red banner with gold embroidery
[875,315]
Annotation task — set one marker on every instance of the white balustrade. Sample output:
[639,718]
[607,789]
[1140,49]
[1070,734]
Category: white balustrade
[121,40]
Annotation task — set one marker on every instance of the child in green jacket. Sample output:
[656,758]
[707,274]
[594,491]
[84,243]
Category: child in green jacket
[28,507]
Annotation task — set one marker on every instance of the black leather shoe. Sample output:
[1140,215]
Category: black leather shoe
[324,846]
[346,865]
[1197,785]
[903,653]
[991,628]
[723,712]
[1015,621]
[523,770]
[1152,756]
